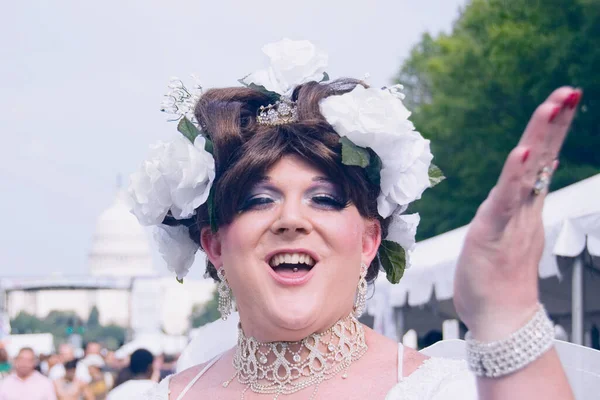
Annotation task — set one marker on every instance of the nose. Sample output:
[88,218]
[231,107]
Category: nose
[291,221]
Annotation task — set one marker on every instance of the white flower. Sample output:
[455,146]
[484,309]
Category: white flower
[176,247]
[405,177]
[293,62]
[368,117]
[403,229]
[177,176]
[378,119]
[181,101]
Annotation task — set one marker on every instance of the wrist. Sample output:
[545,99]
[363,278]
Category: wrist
[501,324]
[497,358]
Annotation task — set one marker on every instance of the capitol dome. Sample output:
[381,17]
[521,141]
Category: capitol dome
[120,244]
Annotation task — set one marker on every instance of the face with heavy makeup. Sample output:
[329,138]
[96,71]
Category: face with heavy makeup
[292,256]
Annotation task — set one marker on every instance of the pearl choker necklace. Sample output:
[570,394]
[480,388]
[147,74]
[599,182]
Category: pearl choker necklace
[288,367]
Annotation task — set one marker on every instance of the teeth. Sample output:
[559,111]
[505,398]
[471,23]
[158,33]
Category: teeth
[295,258]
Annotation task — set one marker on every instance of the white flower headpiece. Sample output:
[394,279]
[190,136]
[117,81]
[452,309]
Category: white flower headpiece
[375,134]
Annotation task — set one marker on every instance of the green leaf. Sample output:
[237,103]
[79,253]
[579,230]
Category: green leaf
[393,260]
[259,88]
[209,147]
[212,217]
[179,280]
[325,77]
[435,175]
[354,155]
[374,169]
[188,129]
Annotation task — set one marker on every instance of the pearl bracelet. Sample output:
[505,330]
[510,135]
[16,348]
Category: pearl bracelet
[503,357]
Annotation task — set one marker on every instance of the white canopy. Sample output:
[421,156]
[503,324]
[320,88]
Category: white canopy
[570,215]
[41,343]
[157,343]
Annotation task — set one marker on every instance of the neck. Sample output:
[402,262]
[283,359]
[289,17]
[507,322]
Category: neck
[284,330]
[23,377]
[304,363]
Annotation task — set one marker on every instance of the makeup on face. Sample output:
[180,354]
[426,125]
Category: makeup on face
[322,193]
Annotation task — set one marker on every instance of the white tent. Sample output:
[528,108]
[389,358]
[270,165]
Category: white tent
[157,343]
[569,269]
[41,343]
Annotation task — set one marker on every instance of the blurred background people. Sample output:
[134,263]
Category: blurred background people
[66,353]
[70,387]
[93,348]
[167,367]
[100,381]
[4,363]
[123,375]
[140,377]
[25,383]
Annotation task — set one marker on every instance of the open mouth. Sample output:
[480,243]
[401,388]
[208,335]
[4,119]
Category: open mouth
[292,264]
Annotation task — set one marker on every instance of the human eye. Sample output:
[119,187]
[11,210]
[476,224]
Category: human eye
[329,201]
[256,202]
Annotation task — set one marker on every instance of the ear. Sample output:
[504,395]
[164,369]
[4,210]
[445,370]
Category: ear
[371,240]
[211,244]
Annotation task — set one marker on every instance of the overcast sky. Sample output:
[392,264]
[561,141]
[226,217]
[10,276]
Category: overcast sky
[81,84]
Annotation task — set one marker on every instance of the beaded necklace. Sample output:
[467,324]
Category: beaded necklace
[288,367]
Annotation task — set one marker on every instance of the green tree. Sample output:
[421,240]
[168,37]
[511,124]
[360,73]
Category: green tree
[473,91]
[93,318]
[204,313]
[61,324]
[27,323]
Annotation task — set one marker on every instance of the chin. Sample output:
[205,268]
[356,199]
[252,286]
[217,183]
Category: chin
[298,317]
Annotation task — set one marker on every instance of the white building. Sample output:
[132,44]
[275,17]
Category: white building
[121,282]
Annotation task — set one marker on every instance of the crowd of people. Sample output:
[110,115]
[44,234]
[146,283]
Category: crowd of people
[97,375]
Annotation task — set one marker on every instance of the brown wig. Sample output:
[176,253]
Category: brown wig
[244,151]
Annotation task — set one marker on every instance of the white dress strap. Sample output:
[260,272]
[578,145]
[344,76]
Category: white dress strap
[400,361]
[193,381]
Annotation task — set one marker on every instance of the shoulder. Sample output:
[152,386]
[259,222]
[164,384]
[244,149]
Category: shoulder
[412,360]
[437,379]
[41,378]
[179,381]
[172,386]
[7,379]
[139,389]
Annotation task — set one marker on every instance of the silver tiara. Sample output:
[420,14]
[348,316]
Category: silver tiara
[281,113]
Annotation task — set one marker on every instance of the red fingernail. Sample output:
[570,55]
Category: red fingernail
[572,100]
[525,155]
[554,113]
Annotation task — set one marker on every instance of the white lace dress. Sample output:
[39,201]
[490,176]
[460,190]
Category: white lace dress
[436,379]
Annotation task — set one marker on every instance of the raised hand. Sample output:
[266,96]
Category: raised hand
[496,283]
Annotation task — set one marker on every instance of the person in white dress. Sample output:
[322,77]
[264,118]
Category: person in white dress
[296,188]
[141,381]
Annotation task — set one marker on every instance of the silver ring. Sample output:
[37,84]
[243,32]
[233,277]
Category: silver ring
[543,180]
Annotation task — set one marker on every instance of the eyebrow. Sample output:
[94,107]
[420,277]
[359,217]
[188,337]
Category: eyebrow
[324,179]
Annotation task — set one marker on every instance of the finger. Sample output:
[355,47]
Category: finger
[510,190]
[552,120]
[562,122]
[548,127]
